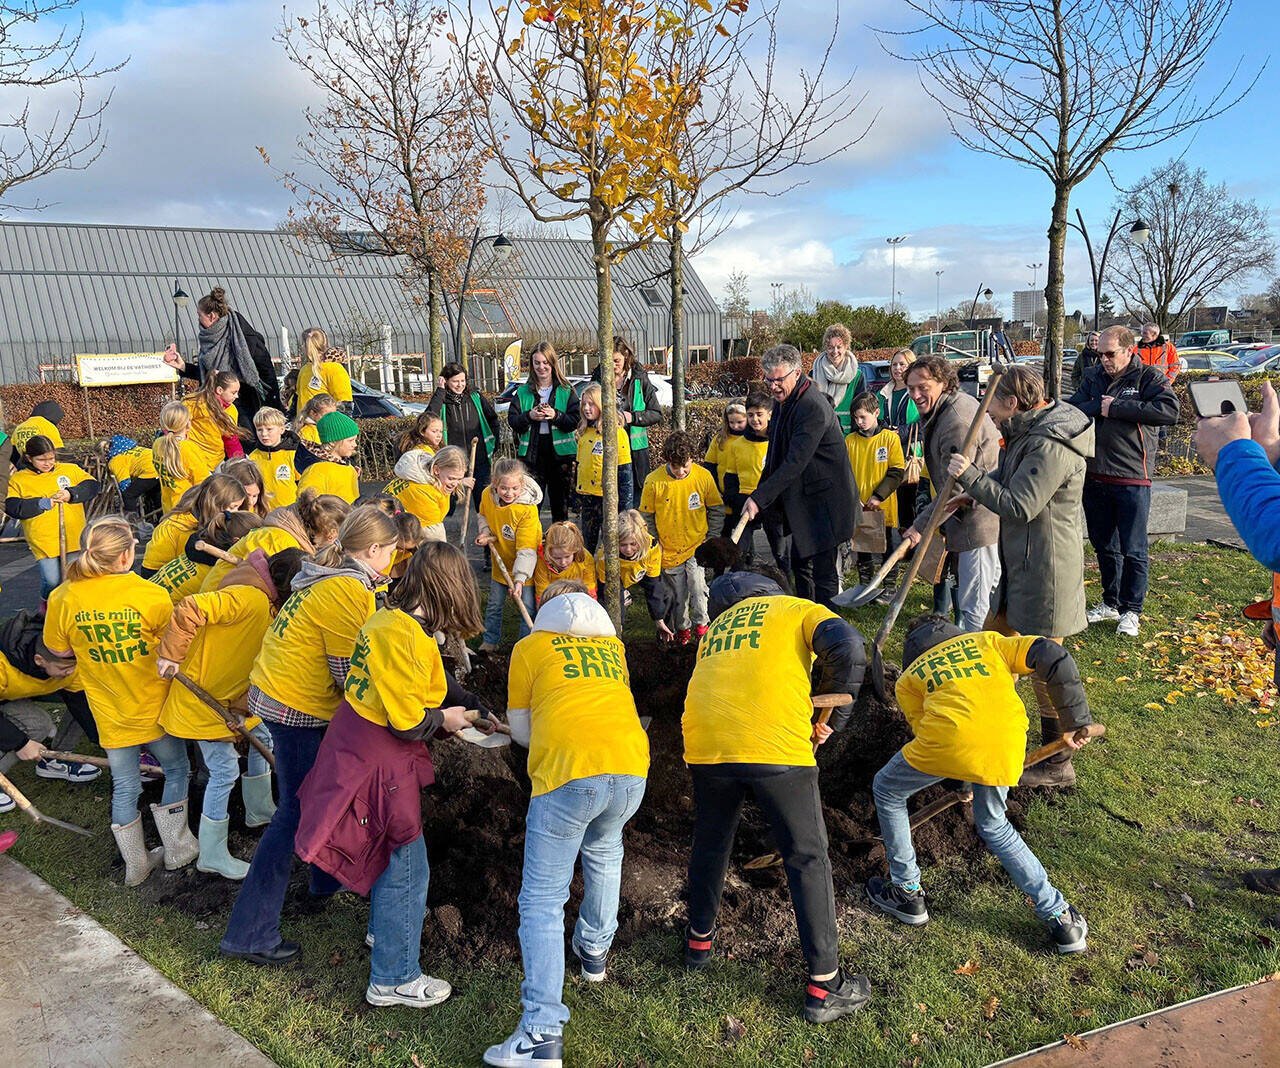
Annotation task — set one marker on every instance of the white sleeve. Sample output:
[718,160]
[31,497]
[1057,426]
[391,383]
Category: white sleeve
[518,720]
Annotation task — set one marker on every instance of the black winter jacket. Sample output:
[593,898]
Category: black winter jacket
[1126,440]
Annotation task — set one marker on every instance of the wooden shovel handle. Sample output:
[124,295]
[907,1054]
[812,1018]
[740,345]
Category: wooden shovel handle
[473,717]
[214,551]
[62,543]
[466,505]
[739,528]
[228,717]
[1036,756]
[830,700]
[511,586]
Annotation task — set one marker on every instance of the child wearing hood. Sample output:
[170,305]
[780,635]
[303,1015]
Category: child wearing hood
[43,420]
[134,469]
[425,486]
[511,529]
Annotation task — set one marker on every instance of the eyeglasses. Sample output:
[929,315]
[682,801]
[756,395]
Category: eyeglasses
[1112,353]
[781,378]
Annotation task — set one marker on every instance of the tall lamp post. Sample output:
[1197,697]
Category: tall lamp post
[893,243]
[985,294]
[502,249]
[1139,232]
[1195,302]
[179,302]
[937,300]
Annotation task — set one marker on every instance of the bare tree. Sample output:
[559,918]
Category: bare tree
[31,71]
[1056,85]
[1203,240]
[390,164]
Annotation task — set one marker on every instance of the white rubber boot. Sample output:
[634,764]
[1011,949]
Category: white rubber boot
[139,862]
[181,847]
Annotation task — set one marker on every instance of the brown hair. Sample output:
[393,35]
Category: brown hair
[1022,384]
[38,445]
[215,495]
[939,369]
[506,467]
[678,447]
[545,348]
[440,585]
[417,434]
[451,370]
[313,519]
[628,356]
[837,330]
[732,408]
[311,411]
[1123,335]
[561,587]
[102,543]
[227,528]
[207,396]
[214,303]
[363,528]
[247,473]
[866,402]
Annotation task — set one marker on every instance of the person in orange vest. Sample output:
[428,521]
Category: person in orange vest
[1156,350]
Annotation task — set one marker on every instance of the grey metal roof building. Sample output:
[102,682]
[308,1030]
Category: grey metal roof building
[68,288]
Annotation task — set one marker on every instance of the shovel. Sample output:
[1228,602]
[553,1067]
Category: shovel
[216,553]
[857,596]
[466,505]
[36,815]
[62,543]
[511,586]
[722,554]
[228,717]
[824,702]
[1036,756]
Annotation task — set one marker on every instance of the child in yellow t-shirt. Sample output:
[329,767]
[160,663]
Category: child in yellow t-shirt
[43,420]
[180,465]
[741,466]
[275,454]
[640,566]
[310,414]
[564,556]
[214,430]
[734,426]
[680,501]
[510,528]
[426,435]
[334,472]
[876,458]
[590,483]
[425,486]
[134,471]
[957,692]
[110,620]
[47,497]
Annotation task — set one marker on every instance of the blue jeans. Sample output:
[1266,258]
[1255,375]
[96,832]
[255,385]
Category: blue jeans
[1116,517]
[397,907]
[126,776]
[498,594]
[51,575]
[254,926]
[583,816]
[223,763]
[897,781]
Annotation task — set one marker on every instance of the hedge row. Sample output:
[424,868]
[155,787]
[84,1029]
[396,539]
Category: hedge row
[129,410]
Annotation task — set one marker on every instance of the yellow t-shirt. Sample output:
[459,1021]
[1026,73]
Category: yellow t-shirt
[582,569]
[15,684]
[715,452]
[204,433]
[113,625]
[428,503]
[334,381]
[169,539]
[181,577]
[329,476]
[591,459]
[172,484]
[279,476]
[135,463]
[513,526]
[749,699]
[316,622]
[219,658]
[744,458]
[582,716]
[869,459]
[269,539]
[41,531]
[679,508]
[29,428]
[632,571]
[396,671]
[968,720]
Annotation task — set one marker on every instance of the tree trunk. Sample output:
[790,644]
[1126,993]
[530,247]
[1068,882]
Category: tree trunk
[436,355]
[608,424]
[1054,302]
[676,250]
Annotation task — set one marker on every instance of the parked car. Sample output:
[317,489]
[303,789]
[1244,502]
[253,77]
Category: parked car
[370,403]
[1240,351]
[1258,362]
[1203,339]
[1205,360]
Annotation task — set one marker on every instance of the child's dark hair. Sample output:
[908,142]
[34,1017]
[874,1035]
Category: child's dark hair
[37,445]
[679,448]
[227,528]
[282,566]
[759,400]
[866,402]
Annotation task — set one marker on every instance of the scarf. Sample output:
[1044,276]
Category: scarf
[832,380]
[223,348]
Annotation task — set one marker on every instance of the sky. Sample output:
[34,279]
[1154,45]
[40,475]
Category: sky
[205,84]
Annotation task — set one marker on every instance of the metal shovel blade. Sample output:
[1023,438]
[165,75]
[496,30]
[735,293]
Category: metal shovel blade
[484,741]
[857,596]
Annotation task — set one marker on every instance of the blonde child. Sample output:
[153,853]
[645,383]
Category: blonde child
[196,509]
[310,414]
[179,463]
[296,686]
[213,639]
[186,573]
[591,466]
[563,556]
[640,565]
[334,472]
[876,459]
[134,471]
[274,453]
[214,430]
[44,493]
[426,435]
[320,372]
[249,475]
[733,425]
[425,486]
[509,526]
[679,502]
[110,620]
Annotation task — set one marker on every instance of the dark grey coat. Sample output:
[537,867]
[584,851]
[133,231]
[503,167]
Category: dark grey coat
[944,432]
[1036,492]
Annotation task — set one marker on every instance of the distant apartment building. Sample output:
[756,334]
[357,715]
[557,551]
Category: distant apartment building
[1028,304]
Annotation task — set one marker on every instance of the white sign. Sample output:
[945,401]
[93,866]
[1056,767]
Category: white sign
[122,368]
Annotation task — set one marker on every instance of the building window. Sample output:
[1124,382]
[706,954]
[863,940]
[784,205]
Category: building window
[699,354]
[657,358]
[651,297]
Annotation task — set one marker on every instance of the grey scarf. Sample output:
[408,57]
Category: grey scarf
[831,379]
[223,348]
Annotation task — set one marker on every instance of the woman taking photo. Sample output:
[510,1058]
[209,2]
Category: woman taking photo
[899,411]
[638,403]
[543,418]
[468,416]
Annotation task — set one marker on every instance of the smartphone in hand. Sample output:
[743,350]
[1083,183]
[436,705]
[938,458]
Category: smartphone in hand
[1217,398]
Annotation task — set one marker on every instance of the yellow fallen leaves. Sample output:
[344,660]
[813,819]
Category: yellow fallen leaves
[1153,706]
[1207,657]
[989,1007]
[1075,1042]
[969,967]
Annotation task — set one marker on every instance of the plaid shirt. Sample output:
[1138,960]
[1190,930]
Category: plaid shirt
[273,711]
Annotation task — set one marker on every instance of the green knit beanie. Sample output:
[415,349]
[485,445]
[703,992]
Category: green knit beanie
[336,426]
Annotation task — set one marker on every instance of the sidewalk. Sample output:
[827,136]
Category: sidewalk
[73,994]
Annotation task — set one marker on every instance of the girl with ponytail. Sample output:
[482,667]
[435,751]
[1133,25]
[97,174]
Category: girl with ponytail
[320,372]
[214,430]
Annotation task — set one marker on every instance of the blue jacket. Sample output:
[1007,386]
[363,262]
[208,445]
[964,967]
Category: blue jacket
[1250,490]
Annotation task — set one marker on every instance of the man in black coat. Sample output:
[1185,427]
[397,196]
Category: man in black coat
[806,476]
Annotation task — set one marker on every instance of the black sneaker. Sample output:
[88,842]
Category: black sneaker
[904,905]
[593,965]
[1069,932]
[833,998]
[697,951]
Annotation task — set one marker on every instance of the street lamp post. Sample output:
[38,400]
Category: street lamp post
[937,300]
[1138,234]
[1195,302]
[1033,268]
[502,248]
[893,243]
[179,301]
[985,294]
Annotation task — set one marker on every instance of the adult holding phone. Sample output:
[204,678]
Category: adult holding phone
[543,418]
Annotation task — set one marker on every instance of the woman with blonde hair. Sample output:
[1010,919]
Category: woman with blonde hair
[110,621]
[320,372]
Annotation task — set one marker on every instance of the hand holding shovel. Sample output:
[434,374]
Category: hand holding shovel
[228,717]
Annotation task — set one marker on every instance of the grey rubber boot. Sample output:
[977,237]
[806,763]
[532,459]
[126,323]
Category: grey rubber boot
[214,857]
[1056,772]
[258,804]
[139,862]
[181,847]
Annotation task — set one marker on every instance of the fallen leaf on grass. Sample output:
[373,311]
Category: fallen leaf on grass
[989,1007]
[1082,1014]
[413,1059]
[1075,1042]
[1186,900]
[1152,706]
[732,1029]
[1123,678]
[969,967]
[922,1007]
[914,1039]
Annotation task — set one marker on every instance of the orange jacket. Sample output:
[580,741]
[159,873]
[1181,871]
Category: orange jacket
[1160,353]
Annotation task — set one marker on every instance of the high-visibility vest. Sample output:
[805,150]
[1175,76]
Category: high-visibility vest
[562,441]
[639,434]
[844,406]
[486,431]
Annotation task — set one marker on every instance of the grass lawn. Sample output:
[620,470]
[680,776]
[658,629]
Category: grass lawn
[1182,794]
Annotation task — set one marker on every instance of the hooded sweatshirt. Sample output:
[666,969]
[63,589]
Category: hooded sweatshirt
[44,419]
[419,494]
[569,697]
[516,529]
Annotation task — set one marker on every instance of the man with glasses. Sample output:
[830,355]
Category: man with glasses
[806,476]
[1129,401]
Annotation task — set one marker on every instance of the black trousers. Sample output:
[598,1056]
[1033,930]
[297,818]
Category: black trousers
[815,576]
[141,495]
[789,798]
[639,472]
[592,516]
[551,472]
[769,520]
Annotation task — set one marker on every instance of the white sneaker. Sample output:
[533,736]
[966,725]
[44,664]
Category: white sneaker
[527,1049]
[1128,625]
[1102,613]
[7,803]
[419,993]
